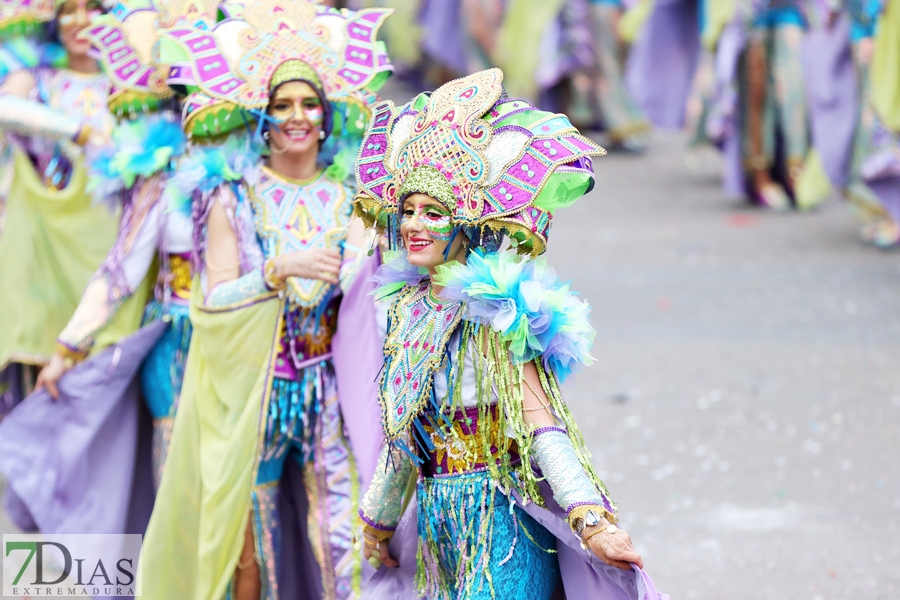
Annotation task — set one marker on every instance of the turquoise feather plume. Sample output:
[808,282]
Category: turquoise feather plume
[526,303]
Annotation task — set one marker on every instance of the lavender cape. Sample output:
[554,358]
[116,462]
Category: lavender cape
[582,575]
[662,62]
[443,35]
[831,88]
[82,464]
[357,354]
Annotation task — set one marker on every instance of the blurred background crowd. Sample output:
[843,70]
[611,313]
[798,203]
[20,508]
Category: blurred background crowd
[800,96]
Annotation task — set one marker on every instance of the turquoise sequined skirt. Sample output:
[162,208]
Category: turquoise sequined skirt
[474,543]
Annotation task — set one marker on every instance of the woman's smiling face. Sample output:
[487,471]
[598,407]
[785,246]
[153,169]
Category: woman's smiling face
[299,115]
[426,229]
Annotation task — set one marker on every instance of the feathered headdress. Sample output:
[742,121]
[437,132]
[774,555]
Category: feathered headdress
[499,165]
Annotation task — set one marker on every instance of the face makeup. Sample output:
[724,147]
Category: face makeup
[433,218]
[298,116]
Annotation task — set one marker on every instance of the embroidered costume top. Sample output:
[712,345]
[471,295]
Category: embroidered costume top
[452,387]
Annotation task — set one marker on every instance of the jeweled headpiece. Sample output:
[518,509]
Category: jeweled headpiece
[231,68]
[123,42]
[499,165]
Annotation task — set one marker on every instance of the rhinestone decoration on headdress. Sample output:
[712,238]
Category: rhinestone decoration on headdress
[235,62]
[123,40]
[22,16]
[497,155]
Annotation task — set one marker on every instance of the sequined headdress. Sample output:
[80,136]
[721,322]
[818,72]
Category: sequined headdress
[123,41]
[501,166]
[230,69]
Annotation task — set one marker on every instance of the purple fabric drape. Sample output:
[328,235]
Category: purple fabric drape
[357,353]
[831,89]
[81,464]
[662,62]
[443,35]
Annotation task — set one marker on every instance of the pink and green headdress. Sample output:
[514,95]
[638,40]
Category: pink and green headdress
[123,41]
[501,166]
[229,71]
[24,17]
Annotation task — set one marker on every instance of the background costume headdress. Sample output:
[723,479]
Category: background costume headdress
[22,17]
[123,41]
[229,71]
[499,165]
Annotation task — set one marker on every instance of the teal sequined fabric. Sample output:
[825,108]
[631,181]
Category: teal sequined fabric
[476,544]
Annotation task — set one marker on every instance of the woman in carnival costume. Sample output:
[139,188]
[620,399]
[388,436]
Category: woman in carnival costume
[600,94]
[259,400]
[478,342]
[54,236]
[89,421]
[874,182]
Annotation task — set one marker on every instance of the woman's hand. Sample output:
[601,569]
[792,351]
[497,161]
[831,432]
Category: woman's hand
[315,263]
[50,374]
[378,551]
[615,549]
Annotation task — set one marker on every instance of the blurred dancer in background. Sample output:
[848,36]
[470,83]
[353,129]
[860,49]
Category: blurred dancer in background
[51,106]
[90,422]
[874,182]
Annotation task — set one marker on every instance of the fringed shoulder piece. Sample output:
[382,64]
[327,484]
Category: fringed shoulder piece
[527,305]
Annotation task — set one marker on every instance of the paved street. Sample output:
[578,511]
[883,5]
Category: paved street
[747,385]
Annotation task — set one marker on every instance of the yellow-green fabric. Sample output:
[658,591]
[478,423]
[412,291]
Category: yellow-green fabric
[813,186]
[717,14]
[633,19]
[129,316]
[196,533]
[518,43]
[885,69]
[401,33]
[51,244]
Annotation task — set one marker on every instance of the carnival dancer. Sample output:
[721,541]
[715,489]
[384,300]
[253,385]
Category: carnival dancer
[600,91]
[775,100]
[67,429]
[874,182]
[259,398]
[54,236]
[479,340]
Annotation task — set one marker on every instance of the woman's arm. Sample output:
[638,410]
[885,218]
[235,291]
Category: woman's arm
[383,504]
[588,510]
[355,248]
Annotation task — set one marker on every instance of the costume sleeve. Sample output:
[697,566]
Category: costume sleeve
[31,118]
[572,488]
[382,506]
[350,266]
[122,271]
[243,288]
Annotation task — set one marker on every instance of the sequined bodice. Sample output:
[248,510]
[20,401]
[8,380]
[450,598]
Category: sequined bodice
[83,96]
[292,215]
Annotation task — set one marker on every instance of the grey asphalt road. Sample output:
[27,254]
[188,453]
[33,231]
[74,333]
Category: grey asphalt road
[746,391]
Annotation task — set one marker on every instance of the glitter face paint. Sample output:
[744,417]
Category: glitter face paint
[285,109]
[434,219]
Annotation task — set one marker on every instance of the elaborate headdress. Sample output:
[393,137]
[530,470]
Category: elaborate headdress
[22,17]
[233,68]
[499,165]
[123,41]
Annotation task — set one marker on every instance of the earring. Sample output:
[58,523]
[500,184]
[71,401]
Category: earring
[266,134]
[322,134]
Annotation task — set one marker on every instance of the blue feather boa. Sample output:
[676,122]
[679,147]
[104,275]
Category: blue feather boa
[523,300]
[141,148]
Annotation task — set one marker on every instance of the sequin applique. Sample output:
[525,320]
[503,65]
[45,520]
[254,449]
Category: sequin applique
[291,216]
[421,327]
